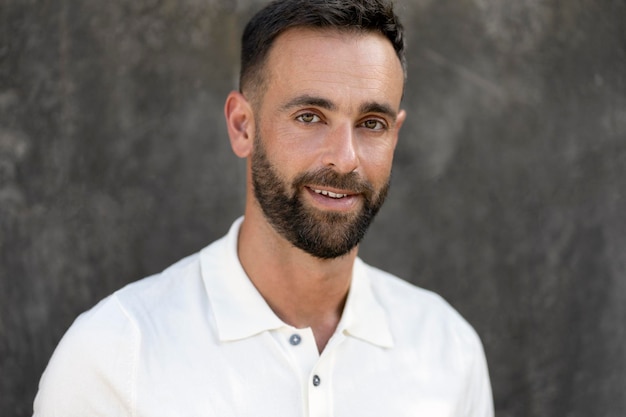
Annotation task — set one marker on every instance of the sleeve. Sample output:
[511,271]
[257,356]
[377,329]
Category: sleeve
[479,398]
[92,370]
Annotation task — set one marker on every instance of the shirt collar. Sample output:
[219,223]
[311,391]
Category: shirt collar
[240,311]
[363,316]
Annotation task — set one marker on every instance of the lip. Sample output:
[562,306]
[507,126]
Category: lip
[327,202]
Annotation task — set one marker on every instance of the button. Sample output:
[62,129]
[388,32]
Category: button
[316,380]
[295,339]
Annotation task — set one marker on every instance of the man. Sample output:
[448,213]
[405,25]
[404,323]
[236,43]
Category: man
[280,317]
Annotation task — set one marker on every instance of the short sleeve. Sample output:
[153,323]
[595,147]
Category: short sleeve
[91,372]
[479,396]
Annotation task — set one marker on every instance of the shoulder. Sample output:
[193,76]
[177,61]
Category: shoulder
[94,361]
[430,335]
[157,292]
[96,358]
[417,312]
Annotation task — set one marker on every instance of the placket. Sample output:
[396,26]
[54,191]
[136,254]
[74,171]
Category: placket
[314,371]
[320,381]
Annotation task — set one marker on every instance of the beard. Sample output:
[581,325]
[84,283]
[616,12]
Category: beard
[322,234]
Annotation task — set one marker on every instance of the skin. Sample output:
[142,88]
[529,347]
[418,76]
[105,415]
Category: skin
[332,99]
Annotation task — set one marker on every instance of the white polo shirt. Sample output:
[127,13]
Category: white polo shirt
[199,340]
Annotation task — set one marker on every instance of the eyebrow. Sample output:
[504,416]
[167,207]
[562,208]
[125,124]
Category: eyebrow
[369,107]
[307,100]
[382,108]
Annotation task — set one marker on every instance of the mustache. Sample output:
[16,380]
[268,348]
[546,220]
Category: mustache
[328,177]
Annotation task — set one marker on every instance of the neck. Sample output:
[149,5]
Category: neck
[304,291]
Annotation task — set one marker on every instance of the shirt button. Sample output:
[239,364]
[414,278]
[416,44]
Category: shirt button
[316,380]
[295,339]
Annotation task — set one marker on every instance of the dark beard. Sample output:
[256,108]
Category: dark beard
[325,235]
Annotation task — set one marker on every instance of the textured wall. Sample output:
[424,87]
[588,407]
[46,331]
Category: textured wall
[508,194]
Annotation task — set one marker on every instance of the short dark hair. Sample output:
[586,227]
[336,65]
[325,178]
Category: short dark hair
[280,15]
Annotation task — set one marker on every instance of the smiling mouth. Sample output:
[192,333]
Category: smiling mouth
[329,193]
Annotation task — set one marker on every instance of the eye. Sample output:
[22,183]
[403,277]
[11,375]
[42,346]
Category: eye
[308,118]
[373,124]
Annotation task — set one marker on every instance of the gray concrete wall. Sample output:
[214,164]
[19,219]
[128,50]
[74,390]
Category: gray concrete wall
[508,195]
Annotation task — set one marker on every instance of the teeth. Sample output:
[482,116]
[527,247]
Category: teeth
[330,194]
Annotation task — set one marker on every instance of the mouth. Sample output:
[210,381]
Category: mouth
[334,199]
[330,194]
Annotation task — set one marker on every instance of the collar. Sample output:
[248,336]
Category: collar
[241,312]
[363,316]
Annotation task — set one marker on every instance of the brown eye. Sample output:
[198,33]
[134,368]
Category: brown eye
[373,124]
[308,118]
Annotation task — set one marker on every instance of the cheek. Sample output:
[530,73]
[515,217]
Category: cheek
[291,149]
[377,161]
[284,152]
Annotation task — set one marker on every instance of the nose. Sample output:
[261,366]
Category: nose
[340,150]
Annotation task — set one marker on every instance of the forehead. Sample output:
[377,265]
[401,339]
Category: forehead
[335,63]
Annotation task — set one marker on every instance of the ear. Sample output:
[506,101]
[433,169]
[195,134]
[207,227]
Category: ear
[240,123]
[400,118]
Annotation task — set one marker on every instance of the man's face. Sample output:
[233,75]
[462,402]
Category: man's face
[322,233]
[326,129]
